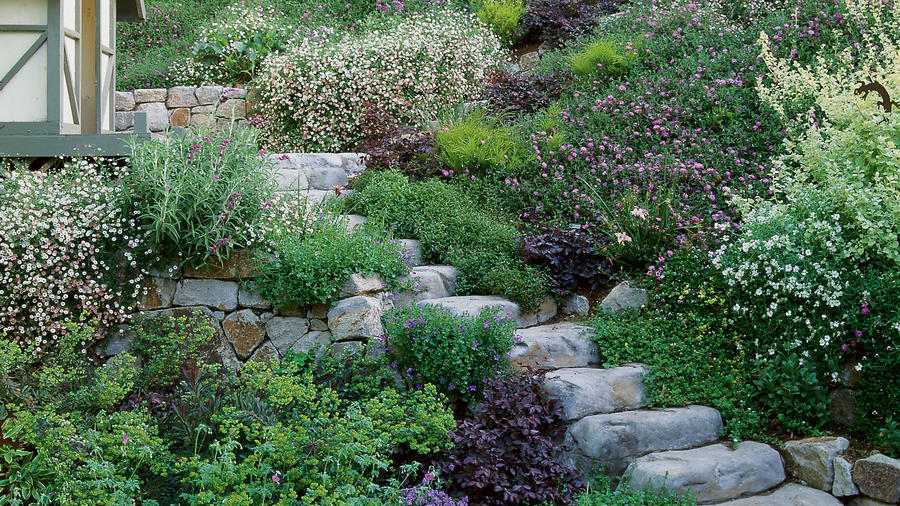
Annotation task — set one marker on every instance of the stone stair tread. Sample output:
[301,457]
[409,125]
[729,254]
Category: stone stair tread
[555,346]
[791,494]
[429,282]
[712,473]
[474,304]
[613,440]
[584,391]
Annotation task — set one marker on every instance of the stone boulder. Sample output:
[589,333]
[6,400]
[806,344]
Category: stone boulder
[428,282]
[265,353]
[245,331]
[712,473]
[359,284]
[878,477]
[585,391]
[624,296]
[158,294]
[356,317]
[221,295]
[576,304]
[413,251]
[791,494]
[157,115]
[613,440]
[181,96]
[313,340]
[554,346]
[811,460]
[285,331]
[843,480]
[326,178]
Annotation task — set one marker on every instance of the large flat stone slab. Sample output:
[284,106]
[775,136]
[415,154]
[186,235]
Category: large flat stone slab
[712,473]
[586,391]
[428,282]
[791,494]
[554,346]
[473,305]
[221,295]
[613,440]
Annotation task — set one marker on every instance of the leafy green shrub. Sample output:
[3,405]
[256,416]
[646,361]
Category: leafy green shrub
[166,343]
[64,241]
[413,68]
[458,354]
[453,230]
[309,262]
[200,195]
[503,17]
[232,48]
[477,145]
[605,58]
[789,391]
[418,420]
[601,493]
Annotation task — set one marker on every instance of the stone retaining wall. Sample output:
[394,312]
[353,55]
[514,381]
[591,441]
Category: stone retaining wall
[246,325]
[181,106]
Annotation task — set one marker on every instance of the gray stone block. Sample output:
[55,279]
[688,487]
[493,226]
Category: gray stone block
[711,473]
[356,317]
[245,331]
[157,115]
[624,297]
[554,346]
[150,95]
[586,391]
[878,477]
[326,178]
[214,293]
[284,331]
[124,101]
[811,460]
[208,95]
[791,494]
[181,96]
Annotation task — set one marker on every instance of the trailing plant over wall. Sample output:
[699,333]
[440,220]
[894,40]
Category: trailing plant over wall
[64,242]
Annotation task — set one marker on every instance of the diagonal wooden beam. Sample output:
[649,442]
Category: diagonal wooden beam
[23,60]
[70,87]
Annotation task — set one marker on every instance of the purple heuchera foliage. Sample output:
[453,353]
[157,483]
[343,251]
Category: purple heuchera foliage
[506,452]
[426,497]
[571,257]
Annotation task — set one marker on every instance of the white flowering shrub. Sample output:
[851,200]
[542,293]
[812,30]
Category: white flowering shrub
[64,240]
[315,94]
[849,146]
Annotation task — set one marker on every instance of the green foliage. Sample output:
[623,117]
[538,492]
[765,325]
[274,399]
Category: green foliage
[503,17]
[602,493]
[112,382]
[166,343]
[199,195]
[605,58]
[309,262]
[478,144]
[454,230]
[458,354]
[23,477]
[418,420]
[790,392]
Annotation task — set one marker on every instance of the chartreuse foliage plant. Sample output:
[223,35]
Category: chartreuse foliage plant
[454,230]
[200,195]
[459,354]
[478,144]
[605,58]
[306,257]
[503,16]
[277,434]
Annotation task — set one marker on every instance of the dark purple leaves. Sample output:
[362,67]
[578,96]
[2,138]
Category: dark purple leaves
[571,257]
[556,21]
[506,454]
[522,93]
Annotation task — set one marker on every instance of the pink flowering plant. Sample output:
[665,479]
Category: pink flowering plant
[200,195]
[66,240]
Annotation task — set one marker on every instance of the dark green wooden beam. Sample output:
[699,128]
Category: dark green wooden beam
[66,145]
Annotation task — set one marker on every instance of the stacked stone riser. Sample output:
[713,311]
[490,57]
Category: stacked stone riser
[182,106]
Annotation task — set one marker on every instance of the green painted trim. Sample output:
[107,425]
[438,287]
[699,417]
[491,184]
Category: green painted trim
[23,60]
[23,28]
[68,145]
[54,62]
[29,128]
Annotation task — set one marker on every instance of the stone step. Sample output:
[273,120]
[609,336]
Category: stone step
[614,440]
[429,282]
[317,171]
[586,391]
[713,473]
[554,346]
[790,494]
[474,304]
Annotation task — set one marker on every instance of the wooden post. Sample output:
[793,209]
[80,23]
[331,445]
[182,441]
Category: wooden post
[89,68]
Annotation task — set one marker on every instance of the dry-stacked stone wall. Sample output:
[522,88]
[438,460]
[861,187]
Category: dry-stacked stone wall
[181,106]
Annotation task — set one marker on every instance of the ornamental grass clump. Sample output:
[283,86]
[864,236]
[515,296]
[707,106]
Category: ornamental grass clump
[413,68]
[458,354]
[200,195]
[503,17]
[65,243]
